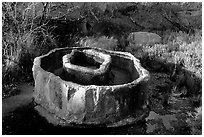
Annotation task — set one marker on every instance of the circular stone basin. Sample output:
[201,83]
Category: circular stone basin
[122,100]
[87,67]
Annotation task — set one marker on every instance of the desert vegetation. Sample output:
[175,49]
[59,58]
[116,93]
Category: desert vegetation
[175,64]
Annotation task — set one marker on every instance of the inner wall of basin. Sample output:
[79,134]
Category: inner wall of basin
[81,59]
[122,69]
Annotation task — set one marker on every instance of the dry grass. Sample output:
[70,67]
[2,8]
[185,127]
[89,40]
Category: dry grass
[22,40]
[178,48]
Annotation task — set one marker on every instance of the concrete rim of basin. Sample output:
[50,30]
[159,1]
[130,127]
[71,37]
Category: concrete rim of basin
[143,74]
[92,104]
[99,71]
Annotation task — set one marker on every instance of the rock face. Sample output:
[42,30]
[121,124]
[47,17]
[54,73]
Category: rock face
[143,38]
[115,104]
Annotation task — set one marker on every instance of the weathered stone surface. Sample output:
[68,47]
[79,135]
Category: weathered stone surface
[143,38]
[109,105]
[95,68]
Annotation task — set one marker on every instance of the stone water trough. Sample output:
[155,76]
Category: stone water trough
[91,87]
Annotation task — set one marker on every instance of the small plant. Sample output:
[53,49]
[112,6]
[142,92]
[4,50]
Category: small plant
[195,121]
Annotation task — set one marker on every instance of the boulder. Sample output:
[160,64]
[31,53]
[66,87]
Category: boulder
[143,38]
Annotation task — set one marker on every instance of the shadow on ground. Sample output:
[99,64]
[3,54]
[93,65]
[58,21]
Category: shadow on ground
[27,121]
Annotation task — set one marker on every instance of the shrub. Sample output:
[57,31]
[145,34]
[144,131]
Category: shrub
[181,49]
[195,121]
[22,40]
[103,42]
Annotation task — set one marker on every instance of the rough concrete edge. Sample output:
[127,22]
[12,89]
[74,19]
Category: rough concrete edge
[144,74]
[61,122]
[101,70]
